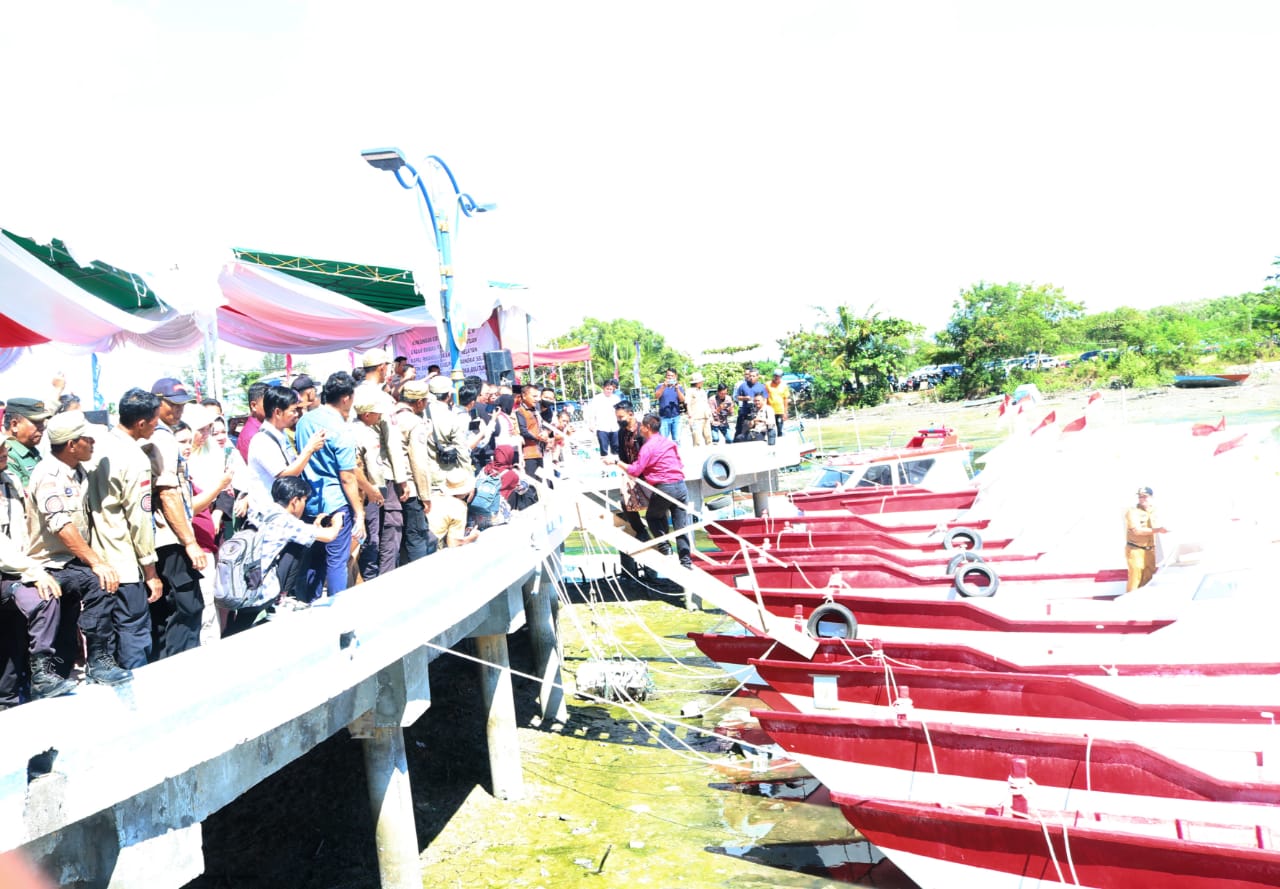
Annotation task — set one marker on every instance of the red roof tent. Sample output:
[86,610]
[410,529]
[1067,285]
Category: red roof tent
[552,357]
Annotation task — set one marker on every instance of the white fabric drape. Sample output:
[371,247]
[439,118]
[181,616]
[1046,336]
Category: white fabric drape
[43,301]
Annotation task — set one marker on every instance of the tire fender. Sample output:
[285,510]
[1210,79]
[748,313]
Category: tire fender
[961,557]
[965,587]
[718,472]
[831,611]
[958,539]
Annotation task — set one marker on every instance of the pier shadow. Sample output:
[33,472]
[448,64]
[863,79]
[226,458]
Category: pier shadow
[856,863]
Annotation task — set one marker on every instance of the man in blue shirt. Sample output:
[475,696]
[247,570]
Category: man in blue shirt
[670,396]
[745,395]
[331,472]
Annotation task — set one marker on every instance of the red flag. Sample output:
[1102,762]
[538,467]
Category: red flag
[1093,396]
[1004,405]
[1049,420]
[1021,406]
[1228,445]
[1209,428]
[1074,425]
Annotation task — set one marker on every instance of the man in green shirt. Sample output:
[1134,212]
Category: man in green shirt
[24,421]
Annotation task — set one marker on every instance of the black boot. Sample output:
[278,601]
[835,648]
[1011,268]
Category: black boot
[45,681]
[102,667]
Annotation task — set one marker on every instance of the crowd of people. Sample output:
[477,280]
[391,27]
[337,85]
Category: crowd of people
[109,537]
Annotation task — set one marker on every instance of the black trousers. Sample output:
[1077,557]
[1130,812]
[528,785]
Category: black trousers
[175,617]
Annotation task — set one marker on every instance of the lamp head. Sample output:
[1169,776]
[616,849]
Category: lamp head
[389,159]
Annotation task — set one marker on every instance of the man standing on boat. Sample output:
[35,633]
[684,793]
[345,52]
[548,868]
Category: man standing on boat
[1140,530]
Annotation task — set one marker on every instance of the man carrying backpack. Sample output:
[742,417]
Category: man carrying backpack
[266,563]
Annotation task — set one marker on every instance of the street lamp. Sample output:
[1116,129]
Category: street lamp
[392,160]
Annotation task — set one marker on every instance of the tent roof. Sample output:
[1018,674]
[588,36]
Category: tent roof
[121,289]
[381,288]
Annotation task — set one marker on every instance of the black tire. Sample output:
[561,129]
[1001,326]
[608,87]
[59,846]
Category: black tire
[720,501]
[718,472]
[971,590]
[958,539]
[832,610]
[960,558]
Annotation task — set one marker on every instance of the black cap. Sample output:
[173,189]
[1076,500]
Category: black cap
[171,389]
[302,382]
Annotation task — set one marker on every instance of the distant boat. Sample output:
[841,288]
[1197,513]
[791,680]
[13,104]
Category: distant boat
[1209,381]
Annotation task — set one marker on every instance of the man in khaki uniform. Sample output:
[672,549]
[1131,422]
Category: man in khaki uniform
[30,603]
[444,425]
[407,417]
[1140,530]
[698,406]
[372,469]
[119,498]
[59,529]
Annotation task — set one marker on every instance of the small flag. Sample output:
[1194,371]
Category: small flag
[1208,428]
[1093,396]
[1004,405]
[1228,445]
[1074,425]
[1049,420]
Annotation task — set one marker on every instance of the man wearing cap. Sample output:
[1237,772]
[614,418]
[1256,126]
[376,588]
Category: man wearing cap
[30,604]
[370,404]
[122,532]
[416,540]
[778,394]
[449,508]
[24,420]
[59,527]
[176,616]
[334,489]
[442,429]
[1140,530]
[671,399]
[698,408]
[308,400]
[377,366]
[600,417]
[254,423]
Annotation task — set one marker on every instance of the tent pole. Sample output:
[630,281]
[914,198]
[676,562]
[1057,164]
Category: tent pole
[528,344]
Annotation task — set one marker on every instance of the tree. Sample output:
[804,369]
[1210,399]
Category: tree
[996,321]
[621,334]
[850,357]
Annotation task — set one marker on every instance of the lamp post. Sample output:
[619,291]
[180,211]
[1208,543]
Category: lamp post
[392,160]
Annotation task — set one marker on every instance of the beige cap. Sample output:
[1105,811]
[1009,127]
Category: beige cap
[374,357]
[459,482]
[415,389]
[697,378]
[439,385]
[71,425]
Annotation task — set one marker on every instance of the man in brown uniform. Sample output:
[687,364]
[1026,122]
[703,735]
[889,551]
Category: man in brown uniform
[416,540]
[59,528]
[1140,530]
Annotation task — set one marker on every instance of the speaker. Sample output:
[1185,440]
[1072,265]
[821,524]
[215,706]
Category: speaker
[497,367]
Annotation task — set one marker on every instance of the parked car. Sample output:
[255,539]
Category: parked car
[1098,354]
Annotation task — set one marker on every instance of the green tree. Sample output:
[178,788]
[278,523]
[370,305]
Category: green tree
[991,322]
[850,357]
[604,336]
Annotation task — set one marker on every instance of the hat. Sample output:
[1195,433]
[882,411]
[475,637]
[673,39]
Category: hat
[197,416]
[31,408]
[302,383]
[777,374]
[374,357]
[69,426]
[458,482]
[697,377]
[439,385]
[171,389]
[415,389]
[1146,491]
[371,398]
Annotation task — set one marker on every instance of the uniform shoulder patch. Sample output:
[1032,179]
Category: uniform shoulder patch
[53,503]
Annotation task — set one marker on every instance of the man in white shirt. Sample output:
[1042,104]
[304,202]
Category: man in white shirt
[601,418]
[271,454]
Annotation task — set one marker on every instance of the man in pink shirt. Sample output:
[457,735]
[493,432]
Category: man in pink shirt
[660,465]
[254,423]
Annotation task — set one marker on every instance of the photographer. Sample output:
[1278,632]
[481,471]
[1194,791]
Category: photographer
[441,441]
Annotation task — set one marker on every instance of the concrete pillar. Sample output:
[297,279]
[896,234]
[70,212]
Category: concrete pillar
[540,603]
[396,833]
[759,499]
[500,727]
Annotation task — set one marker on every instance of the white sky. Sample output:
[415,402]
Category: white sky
[711,168]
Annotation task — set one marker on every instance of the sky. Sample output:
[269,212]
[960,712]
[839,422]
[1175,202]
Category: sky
[717,170]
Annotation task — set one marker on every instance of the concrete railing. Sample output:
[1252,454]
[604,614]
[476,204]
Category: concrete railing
[136,768]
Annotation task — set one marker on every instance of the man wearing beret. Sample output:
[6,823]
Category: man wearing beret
[30,603]
[59,526]
[24,420]
[445,428]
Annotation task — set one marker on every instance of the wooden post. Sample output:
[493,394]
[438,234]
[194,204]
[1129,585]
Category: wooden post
[759,499]
[540,606]
[500,728]
[387,774]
